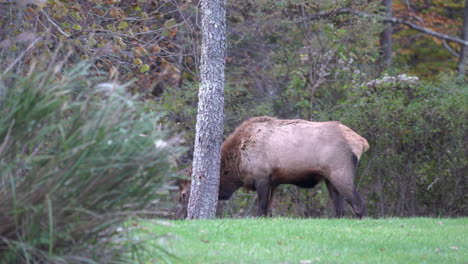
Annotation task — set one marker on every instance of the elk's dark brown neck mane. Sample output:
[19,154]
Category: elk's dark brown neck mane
[231,157]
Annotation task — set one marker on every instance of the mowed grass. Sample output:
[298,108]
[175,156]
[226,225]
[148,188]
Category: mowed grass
[286,240]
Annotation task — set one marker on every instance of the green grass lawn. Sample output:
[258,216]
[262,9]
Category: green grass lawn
[286,240]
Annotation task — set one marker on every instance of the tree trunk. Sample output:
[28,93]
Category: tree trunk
[210,117]
[462,60]
[386,36]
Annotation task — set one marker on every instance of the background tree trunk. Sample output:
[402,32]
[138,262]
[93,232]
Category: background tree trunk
[210,117]
[386,36]
[462,61]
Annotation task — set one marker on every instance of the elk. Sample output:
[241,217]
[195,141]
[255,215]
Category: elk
[265,152]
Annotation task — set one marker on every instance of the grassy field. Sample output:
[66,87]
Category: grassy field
[302,241]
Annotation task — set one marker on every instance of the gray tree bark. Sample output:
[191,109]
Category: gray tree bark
[210,116]
[462,59]
[386,36]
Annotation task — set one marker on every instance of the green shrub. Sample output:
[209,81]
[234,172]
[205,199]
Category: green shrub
[75,160]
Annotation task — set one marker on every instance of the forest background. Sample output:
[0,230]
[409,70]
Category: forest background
[316,60]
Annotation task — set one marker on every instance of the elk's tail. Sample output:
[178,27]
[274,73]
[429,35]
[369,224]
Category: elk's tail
[357,143]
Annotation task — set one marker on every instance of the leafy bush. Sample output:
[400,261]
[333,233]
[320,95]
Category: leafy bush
[417,161]
[74,161]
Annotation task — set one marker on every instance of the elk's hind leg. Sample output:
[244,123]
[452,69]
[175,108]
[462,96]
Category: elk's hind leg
[358,204]
[343,180]
[351,196]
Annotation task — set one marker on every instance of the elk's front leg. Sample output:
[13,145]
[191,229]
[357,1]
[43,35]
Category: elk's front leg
[337,199]
[264,192]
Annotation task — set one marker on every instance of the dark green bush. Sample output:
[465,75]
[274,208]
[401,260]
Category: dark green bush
[75,160]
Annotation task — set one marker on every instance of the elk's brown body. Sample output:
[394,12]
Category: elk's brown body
[264,152]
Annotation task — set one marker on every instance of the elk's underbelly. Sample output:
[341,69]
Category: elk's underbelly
[305,178]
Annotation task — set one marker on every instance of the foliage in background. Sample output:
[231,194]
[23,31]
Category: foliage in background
[295,63]
[75,160]
[423,55]
[151,41]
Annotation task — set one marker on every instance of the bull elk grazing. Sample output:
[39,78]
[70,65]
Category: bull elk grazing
[264,152]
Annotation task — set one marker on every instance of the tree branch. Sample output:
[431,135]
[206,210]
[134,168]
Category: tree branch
[426,31]
[446,45]
[55,24]
[392,20]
